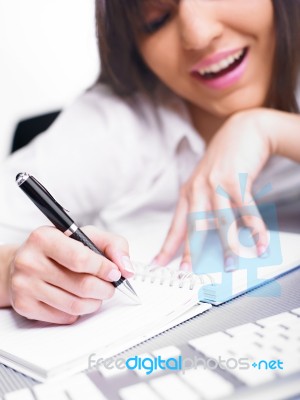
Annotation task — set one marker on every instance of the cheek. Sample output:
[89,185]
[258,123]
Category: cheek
[160,54]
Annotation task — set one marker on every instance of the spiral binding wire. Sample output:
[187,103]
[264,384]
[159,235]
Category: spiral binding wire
[171,276]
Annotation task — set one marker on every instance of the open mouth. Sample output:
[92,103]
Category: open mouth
[222,68]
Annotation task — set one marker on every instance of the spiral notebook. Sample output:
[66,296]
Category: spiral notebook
[44,351]
[169,297]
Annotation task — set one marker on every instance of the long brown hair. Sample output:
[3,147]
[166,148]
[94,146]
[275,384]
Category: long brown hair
[124,70]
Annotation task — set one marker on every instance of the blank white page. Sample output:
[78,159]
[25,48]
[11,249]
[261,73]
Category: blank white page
[42,350]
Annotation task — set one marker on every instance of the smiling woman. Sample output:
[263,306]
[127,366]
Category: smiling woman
[135,19]
[192,94]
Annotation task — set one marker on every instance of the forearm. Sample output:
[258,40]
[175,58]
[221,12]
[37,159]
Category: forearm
[283,130]
[6,256]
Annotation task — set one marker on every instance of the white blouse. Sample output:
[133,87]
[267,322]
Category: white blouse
[119,165]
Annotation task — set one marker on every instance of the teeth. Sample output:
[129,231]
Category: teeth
[223,64]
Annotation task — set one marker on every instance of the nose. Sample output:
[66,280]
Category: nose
[199,23]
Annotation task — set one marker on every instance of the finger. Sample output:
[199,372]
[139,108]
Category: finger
[186,261]
[71,254]
[114,247]
[36,310]
[228,231]
[198,226]
[175,235]
[64,301]
[253,220]
[82,285]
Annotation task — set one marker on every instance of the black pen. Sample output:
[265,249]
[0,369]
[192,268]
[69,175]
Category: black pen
[62,221]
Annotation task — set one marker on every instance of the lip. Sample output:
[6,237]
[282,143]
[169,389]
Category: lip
[207,62]
[224,81]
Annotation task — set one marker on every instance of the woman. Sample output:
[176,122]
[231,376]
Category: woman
[192,93]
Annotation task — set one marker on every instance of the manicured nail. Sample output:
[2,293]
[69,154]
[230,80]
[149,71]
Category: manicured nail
[230,264]
[262,251]
[114,275]
[185,266]
[128,264]
[153,265]
[155,262]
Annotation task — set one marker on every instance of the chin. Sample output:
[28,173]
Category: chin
[245,102]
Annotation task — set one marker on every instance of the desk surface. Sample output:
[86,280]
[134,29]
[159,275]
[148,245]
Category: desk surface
[247,308]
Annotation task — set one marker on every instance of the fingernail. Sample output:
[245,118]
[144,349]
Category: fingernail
[128,264]
[185,266]
[155,262]
[230,264]
[262,251]
[114,275]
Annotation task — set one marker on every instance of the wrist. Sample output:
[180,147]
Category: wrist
[268,125]
[7,254]
[265,121]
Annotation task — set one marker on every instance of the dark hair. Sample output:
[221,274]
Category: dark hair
[125,71]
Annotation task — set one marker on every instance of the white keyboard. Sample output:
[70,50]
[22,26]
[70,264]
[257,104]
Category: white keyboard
[270,347]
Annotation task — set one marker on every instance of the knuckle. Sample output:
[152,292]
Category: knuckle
[22,260]
[75,306]
[214,179]
[18,283]
[85,286]
[195,187]
[37,237]
[19,306]
[79,259]
[101,267]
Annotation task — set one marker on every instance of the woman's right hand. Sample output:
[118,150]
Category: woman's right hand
[56,279]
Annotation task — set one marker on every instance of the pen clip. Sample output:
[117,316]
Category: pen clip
[48,193]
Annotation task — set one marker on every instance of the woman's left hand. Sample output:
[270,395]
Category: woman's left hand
[242,145]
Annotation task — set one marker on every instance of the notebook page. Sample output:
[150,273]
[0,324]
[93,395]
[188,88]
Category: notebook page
[43,348]
[10,323]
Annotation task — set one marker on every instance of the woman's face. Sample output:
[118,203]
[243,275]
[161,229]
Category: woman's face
[216,54]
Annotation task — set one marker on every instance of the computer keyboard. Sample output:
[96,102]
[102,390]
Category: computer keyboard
[269,347]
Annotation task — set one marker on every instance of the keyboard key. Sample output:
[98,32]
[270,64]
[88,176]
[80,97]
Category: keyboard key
[81,387]
[278,319]
[250,350]
[167,352]
[207,344]
[171,387]
[296,311]
[244,330]
[208,384]
[50,391]
[252,376]
[141,391]
[113,372]
[23,394]
[290,366]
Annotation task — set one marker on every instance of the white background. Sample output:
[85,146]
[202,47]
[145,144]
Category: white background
[48,56]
